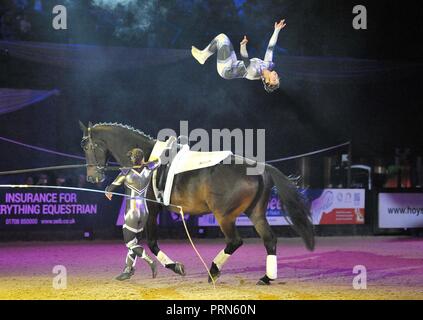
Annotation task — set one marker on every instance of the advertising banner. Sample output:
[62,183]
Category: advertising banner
[32,210]
[328,206]
[400,210]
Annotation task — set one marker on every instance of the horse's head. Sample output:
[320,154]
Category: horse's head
[95,154]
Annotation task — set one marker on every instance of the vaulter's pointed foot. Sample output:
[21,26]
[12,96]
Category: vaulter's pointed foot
[198,55]
[264,281]
[127,273]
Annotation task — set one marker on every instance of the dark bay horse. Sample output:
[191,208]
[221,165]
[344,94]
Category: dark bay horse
[225,189]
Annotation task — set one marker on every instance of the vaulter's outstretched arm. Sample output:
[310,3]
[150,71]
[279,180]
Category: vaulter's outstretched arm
[116,183]
[273,40]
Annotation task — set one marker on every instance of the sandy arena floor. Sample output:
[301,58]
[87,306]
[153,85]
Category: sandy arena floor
[394,270]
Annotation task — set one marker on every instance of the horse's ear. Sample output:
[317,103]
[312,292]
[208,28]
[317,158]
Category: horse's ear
[90,125]
[83,127]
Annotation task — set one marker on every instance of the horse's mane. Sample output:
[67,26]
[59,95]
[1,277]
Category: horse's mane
[124,126]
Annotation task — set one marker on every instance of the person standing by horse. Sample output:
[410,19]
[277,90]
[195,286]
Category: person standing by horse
[136,181]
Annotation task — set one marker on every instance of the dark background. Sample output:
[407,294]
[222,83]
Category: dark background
[319,103]
[378,112]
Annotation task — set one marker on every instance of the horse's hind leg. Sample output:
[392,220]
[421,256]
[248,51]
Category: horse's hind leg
[233,242]
[151,229]
[270,240]
[258,217]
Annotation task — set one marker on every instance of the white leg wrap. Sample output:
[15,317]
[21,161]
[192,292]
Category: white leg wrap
[271,267]
[221,259]
[164,259]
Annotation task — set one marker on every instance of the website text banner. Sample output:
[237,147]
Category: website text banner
[31,210]
[400,210]
[328,206]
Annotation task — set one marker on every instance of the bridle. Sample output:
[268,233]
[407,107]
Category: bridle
[93,146]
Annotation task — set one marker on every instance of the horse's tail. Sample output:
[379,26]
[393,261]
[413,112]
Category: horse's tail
[295,206]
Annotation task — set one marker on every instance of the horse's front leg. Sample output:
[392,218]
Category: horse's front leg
[151,230]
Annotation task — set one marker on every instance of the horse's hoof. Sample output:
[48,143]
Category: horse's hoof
[214,273]
[153,267]
[264,281]
[176,267]
[215,277]
[179,269]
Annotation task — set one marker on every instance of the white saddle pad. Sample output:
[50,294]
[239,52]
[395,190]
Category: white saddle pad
[193,160]
[185,160]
